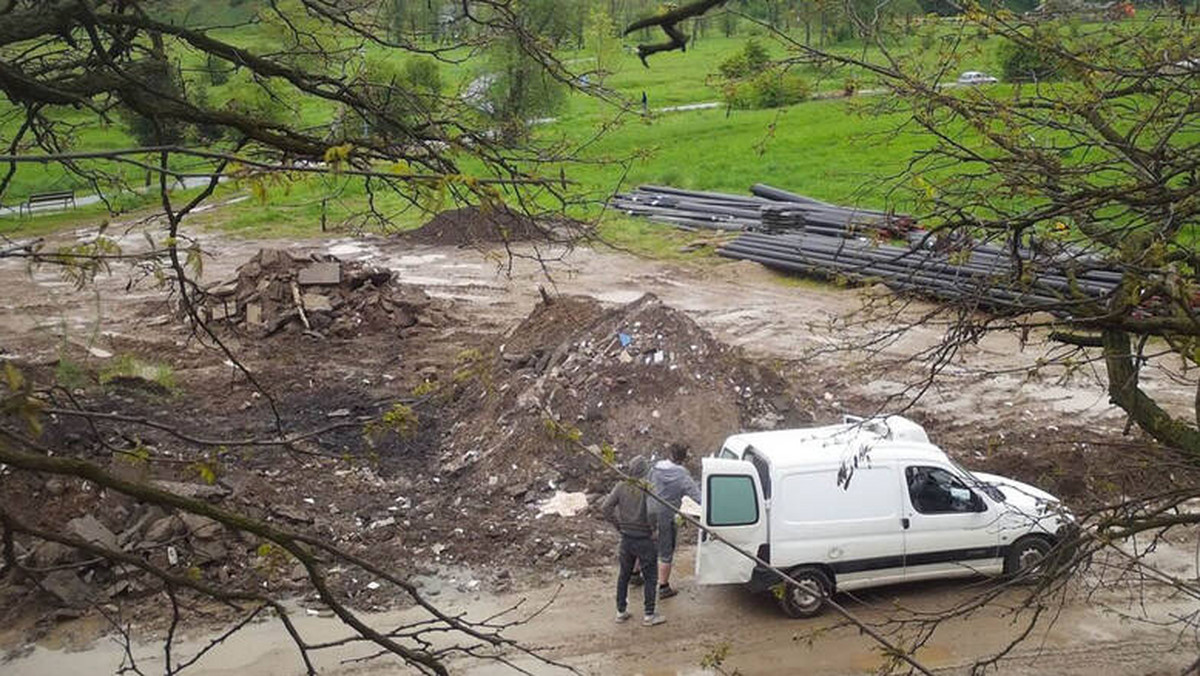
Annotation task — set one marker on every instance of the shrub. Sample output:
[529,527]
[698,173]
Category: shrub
[1020,63]
[769,89]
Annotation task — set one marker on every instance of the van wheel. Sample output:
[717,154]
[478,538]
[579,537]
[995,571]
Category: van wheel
[1026,557]
[808,598]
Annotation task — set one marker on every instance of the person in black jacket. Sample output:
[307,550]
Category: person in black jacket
[625,508]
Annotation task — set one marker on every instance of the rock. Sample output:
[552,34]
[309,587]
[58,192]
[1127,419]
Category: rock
[89,529]
[99,353]
[320,273]
[148,517]
[315,302]
[291,514]
[201,526]
[55,486]
[207,551]
[254,314]
[164,529]
[48,554]
[209,492]
[66,586]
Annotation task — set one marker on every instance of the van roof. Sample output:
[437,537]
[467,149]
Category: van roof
[890,438]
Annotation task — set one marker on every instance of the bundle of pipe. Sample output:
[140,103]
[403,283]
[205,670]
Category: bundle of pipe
[769,209]
[985,276]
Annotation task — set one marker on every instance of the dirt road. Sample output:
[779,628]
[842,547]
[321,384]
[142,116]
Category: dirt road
[1086,637]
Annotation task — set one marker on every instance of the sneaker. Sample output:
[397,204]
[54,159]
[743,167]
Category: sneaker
[666,592]
[652,620]
[622,616]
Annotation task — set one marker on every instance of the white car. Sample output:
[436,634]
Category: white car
[862,504]
[974,77]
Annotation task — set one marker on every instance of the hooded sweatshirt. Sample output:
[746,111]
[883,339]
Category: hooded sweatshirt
[625,506]
[671,482]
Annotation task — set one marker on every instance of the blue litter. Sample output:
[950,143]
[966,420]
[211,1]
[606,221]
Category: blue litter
[625,338]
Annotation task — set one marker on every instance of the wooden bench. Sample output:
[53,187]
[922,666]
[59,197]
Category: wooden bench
[63,197]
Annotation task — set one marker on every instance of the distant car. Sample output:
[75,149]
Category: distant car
[974,77]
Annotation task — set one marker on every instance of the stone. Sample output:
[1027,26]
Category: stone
[48,554]
[254,314]
[320,273]
[164,529]
[89,529]
[99,353]
[207,551]
[201,526]
[210,492]
[315,302]
[66,586]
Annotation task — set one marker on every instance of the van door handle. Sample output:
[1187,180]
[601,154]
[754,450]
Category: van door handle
[904,522]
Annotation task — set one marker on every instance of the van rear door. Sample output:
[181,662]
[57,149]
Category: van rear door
[731,506]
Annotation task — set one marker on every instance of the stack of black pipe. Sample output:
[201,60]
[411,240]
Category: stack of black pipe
[800,234]
[985,276]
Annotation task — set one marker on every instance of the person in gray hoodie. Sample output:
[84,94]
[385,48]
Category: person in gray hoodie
[670,481]
[625,508]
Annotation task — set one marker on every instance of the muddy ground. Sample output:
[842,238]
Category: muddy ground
[484,359]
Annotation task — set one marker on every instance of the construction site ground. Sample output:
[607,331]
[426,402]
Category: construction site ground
[461,503]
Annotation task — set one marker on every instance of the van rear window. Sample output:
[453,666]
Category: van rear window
[732,500]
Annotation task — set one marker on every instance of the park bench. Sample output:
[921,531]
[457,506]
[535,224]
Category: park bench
[63,197]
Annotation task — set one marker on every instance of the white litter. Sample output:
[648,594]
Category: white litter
[563,504]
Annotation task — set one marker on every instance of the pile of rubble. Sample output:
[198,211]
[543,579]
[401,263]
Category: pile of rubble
[319,295]
[639,376]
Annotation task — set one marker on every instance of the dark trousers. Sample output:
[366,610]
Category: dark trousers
[638,550]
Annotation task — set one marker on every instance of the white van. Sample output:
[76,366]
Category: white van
[865,503]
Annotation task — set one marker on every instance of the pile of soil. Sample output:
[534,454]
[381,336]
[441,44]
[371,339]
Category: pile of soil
[277,291]
[473,225]
[639,376]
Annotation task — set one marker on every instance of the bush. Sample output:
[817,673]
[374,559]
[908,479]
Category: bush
[752,60]
[1020,63]
[769,89]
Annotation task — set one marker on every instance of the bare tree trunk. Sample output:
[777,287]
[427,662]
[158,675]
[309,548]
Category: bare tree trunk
[1123,390]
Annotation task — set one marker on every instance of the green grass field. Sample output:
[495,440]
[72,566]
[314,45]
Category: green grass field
[831,149]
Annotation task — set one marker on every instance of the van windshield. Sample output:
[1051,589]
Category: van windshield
[991,491]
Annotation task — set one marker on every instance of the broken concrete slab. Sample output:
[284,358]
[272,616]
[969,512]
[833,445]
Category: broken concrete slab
[89,529]
[71,591]
[315,302]
[210,492]
[201,526]
[254,314]
[164,529]
[319,274]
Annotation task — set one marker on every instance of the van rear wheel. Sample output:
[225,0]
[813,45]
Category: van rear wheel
[808,598]
[1027,557]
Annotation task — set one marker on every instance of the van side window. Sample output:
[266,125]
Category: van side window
[763,469]
[933,490]
[732,500]
[726,453]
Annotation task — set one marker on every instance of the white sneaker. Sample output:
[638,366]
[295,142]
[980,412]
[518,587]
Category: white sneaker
[652,620]
[622,616]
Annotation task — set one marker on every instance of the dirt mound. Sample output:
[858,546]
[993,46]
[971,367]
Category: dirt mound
[471,225]
[320,294]
[638,376]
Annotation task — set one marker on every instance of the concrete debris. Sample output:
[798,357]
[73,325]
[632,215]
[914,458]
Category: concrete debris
[563,504]
[71,591]
[89,529]
[339,298]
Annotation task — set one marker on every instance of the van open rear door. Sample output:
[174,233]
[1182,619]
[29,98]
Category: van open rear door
[731,506]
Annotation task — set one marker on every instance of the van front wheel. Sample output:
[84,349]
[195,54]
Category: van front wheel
[808,598]
[1026,557]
